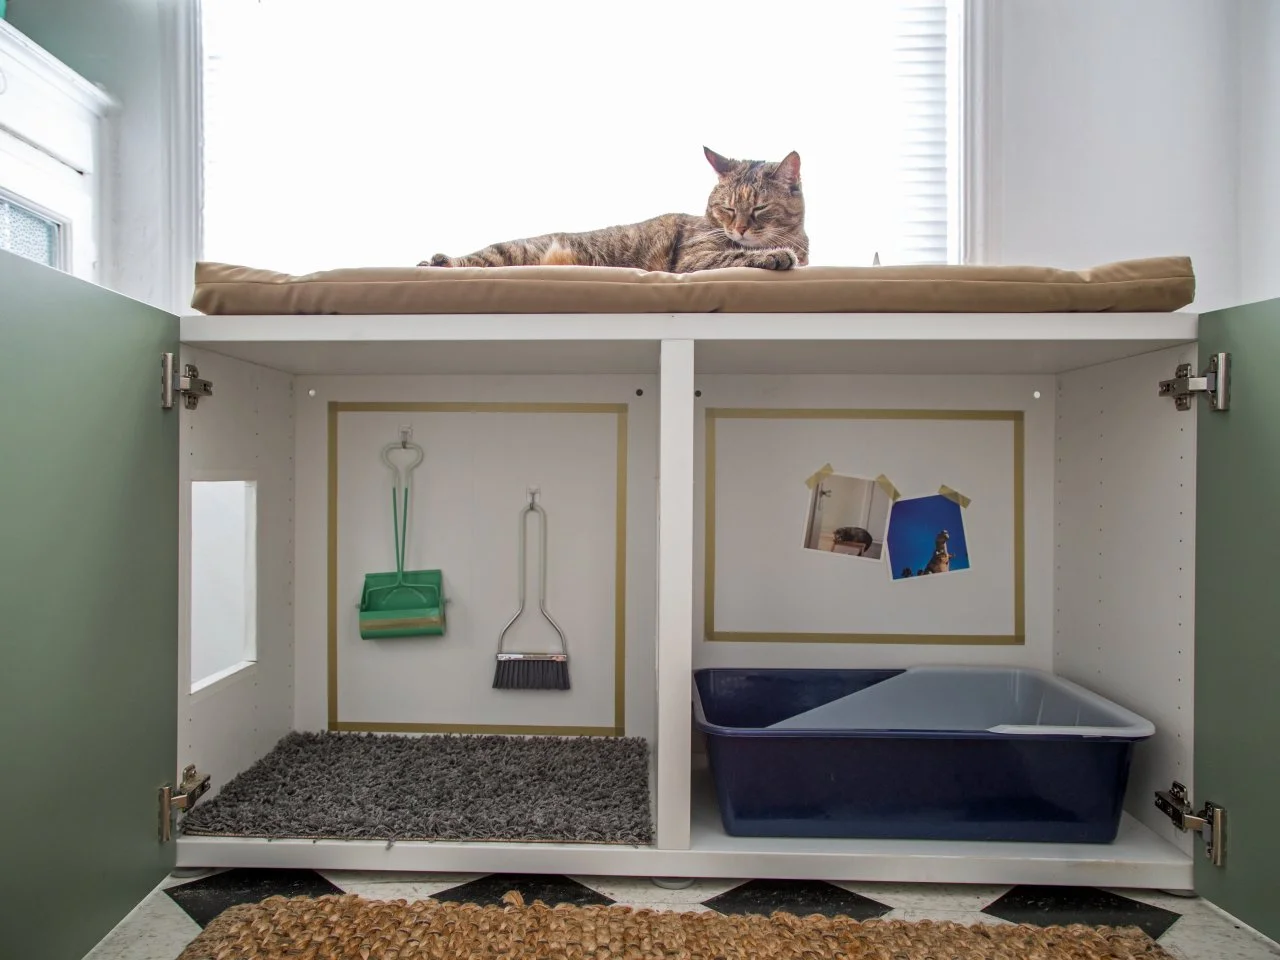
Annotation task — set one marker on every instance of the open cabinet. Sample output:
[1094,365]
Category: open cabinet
[1134,561]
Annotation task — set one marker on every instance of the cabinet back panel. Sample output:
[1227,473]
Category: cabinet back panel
[919,457]
[469,492]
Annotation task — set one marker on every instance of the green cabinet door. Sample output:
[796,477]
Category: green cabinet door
[88,608]
[1237,676]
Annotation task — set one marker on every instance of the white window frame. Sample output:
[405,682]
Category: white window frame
[975,214]
[53,155]
[978,146]
[182,68]
[21,180]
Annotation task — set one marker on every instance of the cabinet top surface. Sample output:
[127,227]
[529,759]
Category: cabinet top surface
[759,343]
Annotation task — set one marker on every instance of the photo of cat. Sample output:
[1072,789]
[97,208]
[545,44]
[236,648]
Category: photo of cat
[847,516]
[754,218]
[927,537]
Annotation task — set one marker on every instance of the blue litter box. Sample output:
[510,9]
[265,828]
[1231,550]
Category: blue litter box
[929,753]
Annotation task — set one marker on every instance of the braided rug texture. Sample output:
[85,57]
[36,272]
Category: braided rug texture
[352,928]
[353,786]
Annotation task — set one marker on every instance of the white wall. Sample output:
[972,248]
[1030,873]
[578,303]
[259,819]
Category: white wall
[1119,125]
[1259,150]
[119,44]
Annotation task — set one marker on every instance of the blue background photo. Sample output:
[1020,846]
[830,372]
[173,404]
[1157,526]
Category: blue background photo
[913,526]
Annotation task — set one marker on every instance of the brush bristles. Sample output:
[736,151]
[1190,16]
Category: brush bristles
[531,675]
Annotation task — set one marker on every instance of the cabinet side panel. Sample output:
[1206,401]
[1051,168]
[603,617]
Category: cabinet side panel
[243,432]
[1125,550]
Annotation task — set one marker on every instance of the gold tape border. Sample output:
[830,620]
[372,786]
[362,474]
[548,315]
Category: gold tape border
[620,410]
[1015,417]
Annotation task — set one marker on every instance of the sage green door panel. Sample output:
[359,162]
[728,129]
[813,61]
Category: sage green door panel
[1237,677]
[88,608]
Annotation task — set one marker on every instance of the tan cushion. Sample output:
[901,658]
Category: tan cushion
[1155,284]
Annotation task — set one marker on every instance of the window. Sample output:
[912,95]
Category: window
[336,136]
[224,575]
[51,143]
[29,234]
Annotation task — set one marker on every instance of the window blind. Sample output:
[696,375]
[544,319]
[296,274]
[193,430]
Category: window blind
[339,134]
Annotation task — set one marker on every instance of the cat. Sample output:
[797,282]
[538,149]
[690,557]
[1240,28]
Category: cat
[852,535]
[754,218]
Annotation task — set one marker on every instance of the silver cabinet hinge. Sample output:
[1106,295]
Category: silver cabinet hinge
[194,785]
[188,383]
[1214,384]
[1210,821]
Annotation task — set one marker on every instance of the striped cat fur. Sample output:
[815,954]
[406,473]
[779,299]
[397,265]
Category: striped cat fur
[754,218]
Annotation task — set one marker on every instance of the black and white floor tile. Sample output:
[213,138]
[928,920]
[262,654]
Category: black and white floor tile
[1188,928]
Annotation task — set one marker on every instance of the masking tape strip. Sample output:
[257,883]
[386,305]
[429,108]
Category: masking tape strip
[824,471]
[955,496]
[887,486]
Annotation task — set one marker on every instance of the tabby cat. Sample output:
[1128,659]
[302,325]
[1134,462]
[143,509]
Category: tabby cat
[754,218]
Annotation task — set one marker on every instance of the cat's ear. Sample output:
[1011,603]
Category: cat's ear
[721,165]
[788,170]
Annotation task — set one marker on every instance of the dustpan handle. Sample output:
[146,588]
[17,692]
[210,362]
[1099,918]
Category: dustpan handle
[400,477]
[400,531]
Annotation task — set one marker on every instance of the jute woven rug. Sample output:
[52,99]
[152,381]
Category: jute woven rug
[352,928]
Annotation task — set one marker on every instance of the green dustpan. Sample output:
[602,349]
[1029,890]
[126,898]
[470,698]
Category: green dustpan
[402,603]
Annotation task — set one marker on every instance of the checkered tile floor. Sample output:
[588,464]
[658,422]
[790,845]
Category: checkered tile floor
[1188,928]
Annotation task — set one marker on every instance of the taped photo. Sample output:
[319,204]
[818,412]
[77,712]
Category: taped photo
[848,516]
[927,537]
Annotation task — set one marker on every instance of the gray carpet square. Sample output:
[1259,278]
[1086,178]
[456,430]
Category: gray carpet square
[350,786]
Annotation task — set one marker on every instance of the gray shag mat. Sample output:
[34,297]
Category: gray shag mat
[354,786]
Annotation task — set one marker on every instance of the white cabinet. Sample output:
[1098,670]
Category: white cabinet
[1093,436]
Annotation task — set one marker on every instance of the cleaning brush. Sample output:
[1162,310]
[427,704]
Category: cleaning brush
[533,671]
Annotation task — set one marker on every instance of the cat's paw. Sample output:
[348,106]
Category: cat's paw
[780,259]
[439,260]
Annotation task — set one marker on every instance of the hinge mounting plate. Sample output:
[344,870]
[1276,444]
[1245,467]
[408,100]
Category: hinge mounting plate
[1214,384]
[192,788]
[188,383]
[1210,821]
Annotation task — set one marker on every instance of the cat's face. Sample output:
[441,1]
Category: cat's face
[758,204]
